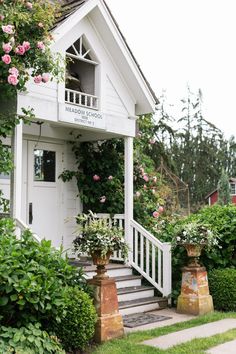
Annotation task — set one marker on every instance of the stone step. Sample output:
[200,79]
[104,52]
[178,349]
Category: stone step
[128,281]
[142,305]
[113,270]
[135,292]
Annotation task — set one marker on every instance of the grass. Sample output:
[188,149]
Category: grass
[131,343]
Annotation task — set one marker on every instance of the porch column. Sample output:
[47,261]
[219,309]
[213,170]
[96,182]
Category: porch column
[129,192]
[16,175]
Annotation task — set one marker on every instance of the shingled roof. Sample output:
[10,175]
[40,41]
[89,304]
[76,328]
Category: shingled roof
[68,7]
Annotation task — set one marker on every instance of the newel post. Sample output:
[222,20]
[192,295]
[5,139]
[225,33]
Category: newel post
[129,193]
[167,270]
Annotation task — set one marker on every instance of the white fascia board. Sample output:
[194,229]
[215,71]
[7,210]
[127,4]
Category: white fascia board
[125,51]
[60,31]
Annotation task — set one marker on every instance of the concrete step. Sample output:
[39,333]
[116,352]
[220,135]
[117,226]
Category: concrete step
[128,281]
[135,292]
[113,270]
[142,305]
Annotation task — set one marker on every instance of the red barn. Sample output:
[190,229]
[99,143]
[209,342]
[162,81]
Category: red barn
[213,196]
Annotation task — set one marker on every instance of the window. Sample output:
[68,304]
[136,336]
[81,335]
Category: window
[44,165]
[232,189]
[81,75]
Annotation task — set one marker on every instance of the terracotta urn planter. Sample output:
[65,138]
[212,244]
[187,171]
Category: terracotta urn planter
[194,252]
[101,262]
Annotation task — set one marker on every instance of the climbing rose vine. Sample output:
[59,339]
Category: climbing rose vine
[25,41]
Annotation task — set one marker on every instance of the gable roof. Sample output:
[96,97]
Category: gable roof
[68,7]
[231,180]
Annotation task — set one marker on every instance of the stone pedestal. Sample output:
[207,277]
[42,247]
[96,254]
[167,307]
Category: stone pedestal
[194,298]
[109,324]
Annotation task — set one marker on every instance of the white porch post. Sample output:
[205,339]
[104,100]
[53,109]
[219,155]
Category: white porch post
[16,176]
[129,192]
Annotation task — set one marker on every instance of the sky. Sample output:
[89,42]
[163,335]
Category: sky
[186,42]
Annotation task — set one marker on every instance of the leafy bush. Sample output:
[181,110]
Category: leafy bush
[28,340]
[78,322]
[32,277]
[222,220]
[222,288]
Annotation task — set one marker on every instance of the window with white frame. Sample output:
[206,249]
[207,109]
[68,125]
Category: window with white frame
[232,188]
[81,75]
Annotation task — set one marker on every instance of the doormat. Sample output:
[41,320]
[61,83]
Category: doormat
[140,319]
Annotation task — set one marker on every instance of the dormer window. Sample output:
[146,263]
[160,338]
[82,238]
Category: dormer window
[81,75]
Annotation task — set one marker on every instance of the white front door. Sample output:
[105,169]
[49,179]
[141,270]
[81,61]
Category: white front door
[44,199]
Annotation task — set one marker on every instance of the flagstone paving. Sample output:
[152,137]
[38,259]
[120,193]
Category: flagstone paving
[226,348]
[202,331]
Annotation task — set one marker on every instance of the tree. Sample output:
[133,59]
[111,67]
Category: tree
[224,197]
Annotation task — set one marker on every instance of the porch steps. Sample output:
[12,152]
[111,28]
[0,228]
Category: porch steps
[133,297]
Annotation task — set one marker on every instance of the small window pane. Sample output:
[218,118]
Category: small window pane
[232,186]
[44,165]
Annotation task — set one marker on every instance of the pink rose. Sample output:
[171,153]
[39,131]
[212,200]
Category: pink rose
[145,177]
[151,141]
[41,45]
[154,178]
[110,178]
[45,77]
[6,59]
[160,209]
[155,214]
[12,80]
[20,50]
[96,178]
[103,199]
[144,186]
[26,45]
[38,79]
[13,71]
[9,29]
[6,47]
[137,194]
[29,5]
[2,17]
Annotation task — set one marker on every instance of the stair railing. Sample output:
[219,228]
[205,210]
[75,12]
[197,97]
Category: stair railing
[21,226]
[149,256]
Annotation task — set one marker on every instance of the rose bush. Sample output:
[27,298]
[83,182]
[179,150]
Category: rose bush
[25,40]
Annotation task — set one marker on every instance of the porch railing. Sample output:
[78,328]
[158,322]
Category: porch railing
[81,99]
[149,256]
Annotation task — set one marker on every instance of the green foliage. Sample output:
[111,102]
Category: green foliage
[224,197]
[32,277]
[222,288]
[195,233]
[222,220]
[95,235]
[28,340]
[78,320]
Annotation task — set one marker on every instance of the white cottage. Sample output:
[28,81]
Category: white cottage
[103,93]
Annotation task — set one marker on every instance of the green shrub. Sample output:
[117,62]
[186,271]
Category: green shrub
[32,277]
[28,340]
[222,288]
[78,324]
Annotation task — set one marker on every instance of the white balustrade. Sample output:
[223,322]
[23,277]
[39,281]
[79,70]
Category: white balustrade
[81,99]
[21,226]
[151,258]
